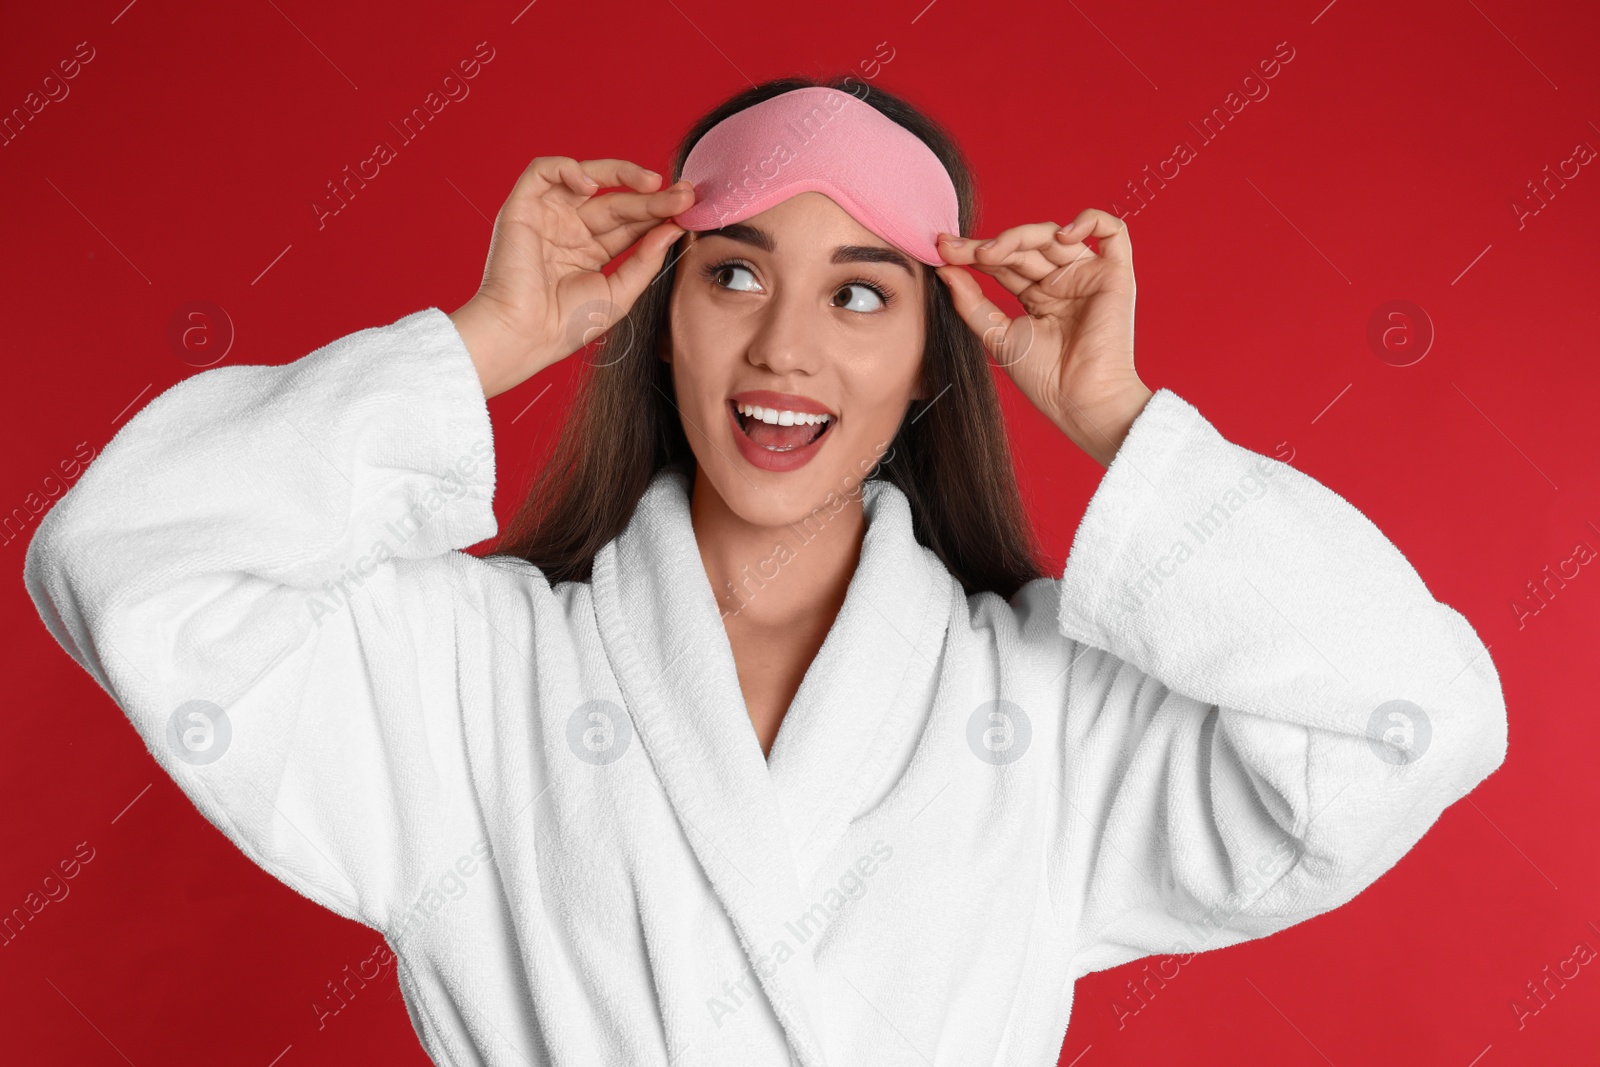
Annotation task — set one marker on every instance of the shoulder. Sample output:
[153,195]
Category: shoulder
[1029,614]
[506,595]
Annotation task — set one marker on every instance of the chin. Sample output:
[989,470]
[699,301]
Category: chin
[815,492]
[769,500]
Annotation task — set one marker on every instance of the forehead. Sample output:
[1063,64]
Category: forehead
[811,219]
[812,226]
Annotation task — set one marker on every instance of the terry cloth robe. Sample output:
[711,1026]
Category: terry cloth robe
[1237,707]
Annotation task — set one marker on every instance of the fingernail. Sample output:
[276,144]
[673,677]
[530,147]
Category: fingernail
[955,242]
[590,181]
[987,244]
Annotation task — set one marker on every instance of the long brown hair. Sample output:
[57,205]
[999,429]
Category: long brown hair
[951,456]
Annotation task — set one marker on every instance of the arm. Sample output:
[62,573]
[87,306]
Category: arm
[264,566]
[282,544]
[1237,633]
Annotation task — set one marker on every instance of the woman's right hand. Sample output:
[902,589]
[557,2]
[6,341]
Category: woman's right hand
[550,240]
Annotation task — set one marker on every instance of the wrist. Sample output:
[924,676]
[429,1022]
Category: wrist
[1100,430]
[489,342]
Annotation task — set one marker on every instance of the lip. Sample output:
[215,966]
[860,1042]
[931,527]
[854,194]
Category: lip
[764,458]
[766,398]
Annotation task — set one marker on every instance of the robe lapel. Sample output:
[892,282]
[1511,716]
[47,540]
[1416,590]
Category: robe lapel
[664,635]
[756,826]
[864,688]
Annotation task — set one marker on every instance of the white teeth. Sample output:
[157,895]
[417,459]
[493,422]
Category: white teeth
[779,416]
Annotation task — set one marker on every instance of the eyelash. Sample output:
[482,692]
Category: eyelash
[884,293]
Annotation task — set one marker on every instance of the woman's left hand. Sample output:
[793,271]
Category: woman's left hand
[1071,354]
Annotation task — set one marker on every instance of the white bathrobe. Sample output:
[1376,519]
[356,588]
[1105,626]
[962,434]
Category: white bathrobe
[1237,708]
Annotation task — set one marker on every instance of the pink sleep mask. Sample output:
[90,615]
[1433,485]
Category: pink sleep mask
[826,141]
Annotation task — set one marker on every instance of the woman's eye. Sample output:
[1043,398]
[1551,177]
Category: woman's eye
[866,290]
[727,269]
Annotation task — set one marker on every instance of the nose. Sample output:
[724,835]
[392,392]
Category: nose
[789,335]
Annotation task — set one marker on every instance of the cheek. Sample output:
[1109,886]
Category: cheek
[681,331]
[881,383]
[702,359]
[695,325]
[874,410]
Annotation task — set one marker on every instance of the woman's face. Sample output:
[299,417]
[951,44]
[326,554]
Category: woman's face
[802,301]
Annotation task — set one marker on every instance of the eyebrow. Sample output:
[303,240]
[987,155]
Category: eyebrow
[755,235]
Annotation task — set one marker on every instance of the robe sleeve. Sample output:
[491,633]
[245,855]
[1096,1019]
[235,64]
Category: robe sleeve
[1265,707]
[262,569]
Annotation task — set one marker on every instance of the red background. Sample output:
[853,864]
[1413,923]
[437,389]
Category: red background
[1383,165]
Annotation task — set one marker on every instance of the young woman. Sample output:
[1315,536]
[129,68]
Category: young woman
[761,736]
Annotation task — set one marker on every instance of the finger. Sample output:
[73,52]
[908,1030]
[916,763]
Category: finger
[574,180]
[627,217]
[546,174]
[1013,280]
[976,310]
[631,277]
[1079,257]
[1022,267]
[543,174]
[611,173]
[1110,234]
[1013,244]
[1029,250]
[607,212]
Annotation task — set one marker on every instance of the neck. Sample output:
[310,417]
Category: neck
[784,576]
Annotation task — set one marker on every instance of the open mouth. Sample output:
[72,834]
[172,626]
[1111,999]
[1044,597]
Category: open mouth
[778,438]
